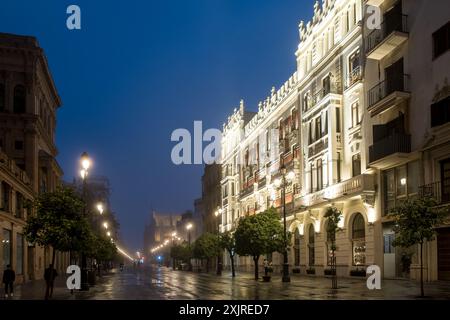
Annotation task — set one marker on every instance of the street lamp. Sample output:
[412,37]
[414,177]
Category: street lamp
[281,183]
[188,228]
[85,165]
[100,208]
[218,213]
[105,225]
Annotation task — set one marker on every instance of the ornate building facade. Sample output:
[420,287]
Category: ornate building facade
[341,128]
[28,106]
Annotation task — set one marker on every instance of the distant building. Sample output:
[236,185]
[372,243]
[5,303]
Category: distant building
[159,229]
[28,105]
[211,198]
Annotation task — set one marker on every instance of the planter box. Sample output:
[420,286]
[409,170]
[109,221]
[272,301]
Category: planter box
[266,278]
[329,272]
[358,273]
[310,271]
[296,270]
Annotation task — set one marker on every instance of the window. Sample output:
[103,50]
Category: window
[19,99]
[399,184]
[6,194]
[319,175]
[338,120]
[310,133]
[356,165]
[311,245]
[311,177]
[318,128]
[354,67]
[445,180]
[338,171]
[355,114]
[326,85]
[441,40]
[388,241]
[19,205]
[19,253]
[18,145]
[358,240]
[6,242]
[297,248]
[440,112]
[2,97]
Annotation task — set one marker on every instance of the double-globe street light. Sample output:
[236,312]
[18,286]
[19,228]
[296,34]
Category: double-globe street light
[85,165]
[218,213]
[281,183]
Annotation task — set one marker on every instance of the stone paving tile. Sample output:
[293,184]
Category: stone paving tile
[163,283]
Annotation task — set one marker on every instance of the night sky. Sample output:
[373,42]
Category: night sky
[137,70]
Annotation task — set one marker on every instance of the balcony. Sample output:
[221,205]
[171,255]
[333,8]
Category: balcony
[375,3]
[388,93]
[324,92]
[317,147]
[434,190]
[389,150]
[11,167]
[353,77]
[392,33]
[360,185]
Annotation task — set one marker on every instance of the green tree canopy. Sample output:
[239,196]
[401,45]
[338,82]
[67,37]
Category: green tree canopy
[206,246]
[58,222]
[260,234]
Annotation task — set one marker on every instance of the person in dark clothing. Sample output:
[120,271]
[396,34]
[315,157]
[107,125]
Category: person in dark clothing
[9,276]
[49,275]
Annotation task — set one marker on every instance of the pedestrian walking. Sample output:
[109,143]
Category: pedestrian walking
[9,276]
[49,275]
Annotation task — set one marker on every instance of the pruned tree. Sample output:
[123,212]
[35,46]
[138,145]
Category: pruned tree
[260,234]
[206,247]
[333,216]
[415,222]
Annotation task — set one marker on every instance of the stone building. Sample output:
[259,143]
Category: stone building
[28,105]
[211,197]
[360,125]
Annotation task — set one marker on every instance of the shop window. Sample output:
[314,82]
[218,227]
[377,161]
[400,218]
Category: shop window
[358,240]
[6,243]
[297,248]
[19,253]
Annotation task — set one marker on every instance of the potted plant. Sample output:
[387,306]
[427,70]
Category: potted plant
[311,270]
[329,272]
[358,272]
[296,270]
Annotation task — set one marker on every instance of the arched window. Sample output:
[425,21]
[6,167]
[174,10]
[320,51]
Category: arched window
[311,241]
[358,240]
[19,99]
[2,97]
[297,248]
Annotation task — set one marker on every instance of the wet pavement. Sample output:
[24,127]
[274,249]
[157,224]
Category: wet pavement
[164,283]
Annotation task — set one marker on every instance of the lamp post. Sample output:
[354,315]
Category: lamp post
[174,235]
[218,213]
[85,165]
[282,184]
[188,228]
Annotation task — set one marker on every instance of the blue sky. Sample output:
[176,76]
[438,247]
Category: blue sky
[137,70]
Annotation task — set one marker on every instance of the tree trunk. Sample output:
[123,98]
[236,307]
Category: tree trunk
[233,273]
[207,265]
[422,293]
[255,260]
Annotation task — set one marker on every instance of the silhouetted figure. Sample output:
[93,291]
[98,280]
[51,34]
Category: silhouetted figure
[9,276]
[49,275]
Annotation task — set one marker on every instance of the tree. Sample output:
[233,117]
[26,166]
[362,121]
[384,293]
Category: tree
[415,221]
[206,247]
[259,234]
[58,223]
[333,216]
[228,242]
[181,252]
